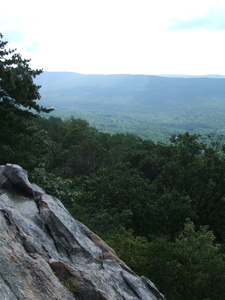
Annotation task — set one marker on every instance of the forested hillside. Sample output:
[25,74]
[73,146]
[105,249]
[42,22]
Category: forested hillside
[160,205]
[151,107]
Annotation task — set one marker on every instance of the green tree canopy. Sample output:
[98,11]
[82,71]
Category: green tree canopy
[17,88]
[18,95]
[192,267]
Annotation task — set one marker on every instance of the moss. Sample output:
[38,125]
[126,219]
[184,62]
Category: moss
[73,287]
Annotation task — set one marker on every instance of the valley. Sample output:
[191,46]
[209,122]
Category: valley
[152,107]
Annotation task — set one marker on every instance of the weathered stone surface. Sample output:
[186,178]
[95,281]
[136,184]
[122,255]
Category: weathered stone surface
[46,254]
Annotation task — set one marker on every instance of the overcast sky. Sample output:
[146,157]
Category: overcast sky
[118,36]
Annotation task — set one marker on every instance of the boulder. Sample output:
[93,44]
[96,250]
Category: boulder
[46,254]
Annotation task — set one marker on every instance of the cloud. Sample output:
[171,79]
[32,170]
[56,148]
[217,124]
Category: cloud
[214,19]
[14,35]
[31,47]
[17,38]
[114,36]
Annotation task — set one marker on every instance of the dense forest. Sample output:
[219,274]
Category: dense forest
[152,107]
[160,205]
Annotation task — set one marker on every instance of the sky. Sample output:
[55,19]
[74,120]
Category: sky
[118,36]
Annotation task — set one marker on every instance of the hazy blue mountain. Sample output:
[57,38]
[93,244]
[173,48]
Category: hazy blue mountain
[149,106]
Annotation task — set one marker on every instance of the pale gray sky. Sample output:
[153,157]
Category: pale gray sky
[118,36]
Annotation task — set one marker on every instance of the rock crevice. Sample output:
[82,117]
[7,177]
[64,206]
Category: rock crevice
[46,254]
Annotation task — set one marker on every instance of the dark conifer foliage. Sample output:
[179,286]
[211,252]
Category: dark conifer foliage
[17,88]
[18,96]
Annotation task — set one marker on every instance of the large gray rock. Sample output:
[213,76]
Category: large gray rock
[46,254]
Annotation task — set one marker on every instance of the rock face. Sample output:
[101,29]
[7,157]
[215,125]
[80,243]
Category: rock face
[46,254]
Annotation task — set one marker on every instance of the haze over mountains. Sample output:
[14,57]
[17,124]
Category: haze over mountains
[149,106]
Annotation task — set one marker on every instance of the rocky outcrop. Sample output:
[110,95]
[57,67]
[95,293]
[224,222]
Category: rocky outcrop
[46,254]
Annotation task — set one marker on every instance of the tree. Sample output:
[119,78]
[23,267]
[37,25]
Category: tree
[18,95]
[17,88]
[116,196]
[192,267]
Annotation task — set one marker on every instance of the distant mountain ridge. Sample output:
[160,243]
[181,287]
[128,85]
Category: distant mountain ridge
[66,79]
[193,76]
[146,105]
